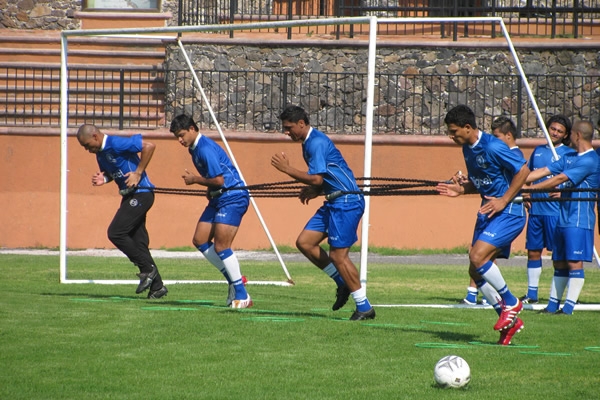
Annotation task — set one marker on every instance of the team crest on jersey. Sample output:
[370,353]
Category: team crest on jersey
[481,162]
[111,159]
[133,202]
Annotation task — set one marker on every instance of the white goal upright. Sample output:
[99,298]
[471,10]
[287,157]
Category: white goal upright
[173,33]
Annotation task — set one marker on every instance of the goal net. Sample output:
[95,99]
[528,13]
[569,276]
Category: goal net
[175,34]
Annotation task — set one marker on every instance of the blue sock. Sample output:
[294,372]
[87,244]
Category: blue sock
[334,274]
[471,295]
[360,298]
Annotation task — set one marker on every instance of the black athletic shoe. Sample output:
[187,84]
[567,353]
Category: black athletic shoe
[526,300]
[341,297]
[545,311]
[358,316]
[157,294]
[146,279]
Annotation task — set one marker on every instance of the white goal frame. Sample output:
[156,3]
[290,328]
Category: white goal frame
[179,30]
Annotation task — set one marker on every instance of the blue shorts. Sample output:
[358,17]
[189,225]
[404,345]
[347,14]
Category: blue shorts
[540,232]
[499,231]
[573,244]
[339,221]
[228,212]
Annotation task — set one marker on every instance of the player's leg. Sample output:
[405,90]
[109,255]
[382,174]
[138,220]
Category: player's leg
[202,240]
[534,243]
[129,216]
[560,278]
[493,234]
[223,239]
[349,273]
[141,237]
[342,225]
[579,239]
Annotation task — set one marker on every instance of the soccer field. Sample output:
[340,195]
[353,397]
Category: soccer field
[83,341]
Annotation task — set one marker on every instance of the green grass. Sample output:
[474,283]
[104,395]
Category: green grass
[84,341]
[385,251]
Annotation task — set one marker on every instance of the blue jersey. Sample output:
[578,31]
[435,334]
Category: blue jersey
[517,151]
[323,158]
[582,171]
[492,165]
[118,156]
[541,157]
[211,161]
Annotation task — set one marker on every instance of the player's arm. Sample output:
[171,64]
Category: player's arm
[191,179]
[538,174]
[551,182]
[134,177]
[282,163]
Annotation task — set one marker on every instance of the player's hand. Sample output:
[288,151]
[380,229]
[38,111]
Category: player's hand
[493,206]
[280,161]
[526,204]
[449,189]
[554,195]
[98,179]
[132,178]
[308,193]
[189,178]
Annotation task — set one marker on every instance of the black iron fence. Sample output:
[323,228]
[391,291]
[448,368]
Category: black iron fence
[403,103]
[547,18]
[117,97]
[251,101]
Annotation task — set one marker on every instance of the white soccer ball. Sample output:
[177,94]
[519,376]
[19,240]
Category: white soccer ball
[452,372]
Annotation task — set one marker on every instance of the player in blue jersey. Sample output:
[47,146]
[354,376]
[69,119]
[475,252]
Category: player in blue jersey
[543,215]
[574,236]
[339,216]
[118,160]
[504,129]
[221,219]
[497,174]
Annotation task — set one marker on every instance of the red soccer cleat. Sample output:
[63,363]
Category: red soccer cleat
[508,316]
[507,334]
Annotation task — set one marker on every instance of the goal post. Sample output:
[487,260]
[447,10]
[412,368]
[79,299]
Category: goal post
[176,31]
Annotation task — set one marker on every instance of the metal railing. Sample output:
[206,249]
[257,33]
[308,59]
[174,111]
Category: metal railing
[403,104]
[546,18]
[117,97]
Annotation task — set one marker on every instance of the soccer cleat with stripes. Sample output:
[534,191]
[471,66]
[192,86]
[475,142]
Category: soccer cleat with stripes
[245,303]
[528,300]
[508,316]
[507,334]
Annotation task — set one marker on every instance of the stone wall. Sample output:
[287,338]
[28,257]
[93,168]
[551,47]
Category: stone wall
[53,14]
[39,14]
[248,85]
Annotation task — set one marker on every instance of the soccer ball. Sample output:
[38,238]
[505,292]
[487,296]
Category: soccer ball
[452,372]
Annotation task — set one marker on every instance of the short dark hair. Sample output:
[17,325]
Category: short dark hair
[294,114]
[505,125]
[564,121]
[461,115]
[182,121]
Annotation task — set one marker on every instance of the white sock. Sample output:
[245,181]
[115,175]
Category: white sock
[233,268]
[213,258]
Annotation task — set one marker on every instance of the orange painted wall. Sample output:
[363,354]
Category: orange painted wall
[30,187]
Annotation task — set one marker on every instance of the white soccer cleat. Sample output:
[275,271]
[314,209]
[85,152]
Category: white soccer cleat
[246,303]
